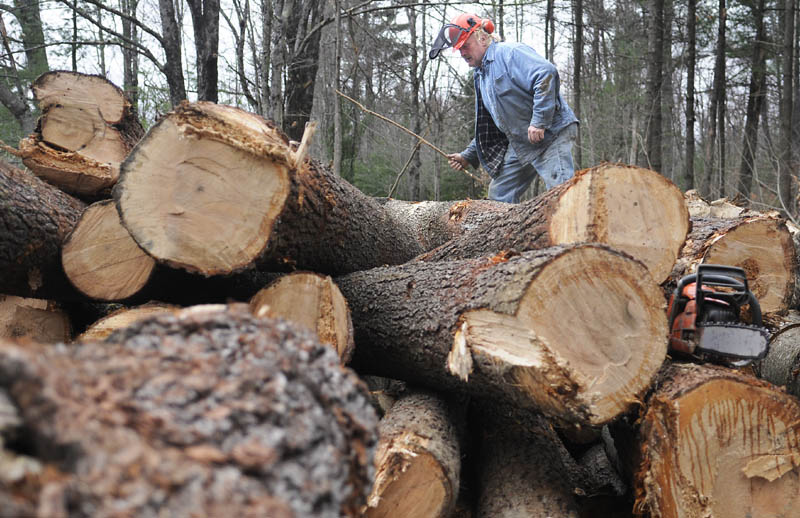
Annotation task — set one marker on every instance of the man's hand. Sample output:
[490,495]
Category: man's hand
[535,134]
[456,161]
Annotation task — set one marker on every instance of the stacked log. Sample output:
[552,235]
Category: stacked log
[189,437]
[530,340]
[86,130]
[718,443]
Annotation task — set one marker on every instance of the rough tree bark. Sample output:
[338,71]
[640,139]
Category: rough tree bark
[436,222]
[201,413]
[574,331]
[35,217]
[522,472]
[213,189]
[715,442]
[628,208]
[418,460]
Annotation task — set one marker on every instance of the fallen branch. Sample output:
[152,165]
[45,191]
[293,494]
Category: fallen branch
[390,121]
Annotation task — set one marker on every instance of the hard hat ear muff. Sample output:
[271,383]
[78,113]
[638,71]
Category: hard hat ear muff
[488,26]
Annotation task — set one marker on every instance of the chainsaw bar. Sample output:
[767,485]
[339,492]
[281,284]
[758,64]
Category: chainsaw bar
[732,340]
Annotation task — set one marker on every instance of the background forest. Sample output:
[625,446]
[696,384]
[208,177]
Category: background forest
[704,91]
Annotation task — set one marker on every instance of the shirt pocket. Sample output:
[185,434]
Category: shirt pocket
[514,105]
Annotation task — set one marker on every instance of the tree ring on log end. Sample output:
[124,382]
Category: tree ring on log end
[763,247]
[587,338]
[634,210]
[411,472]
[101,259]
[198,193]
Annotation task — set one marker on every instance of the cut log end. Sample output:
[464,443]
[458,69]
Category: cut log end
[409,483]
[719,444]
[312,301]
[763,247]
[628,208]
[604,361]
[101,259]
[197,201]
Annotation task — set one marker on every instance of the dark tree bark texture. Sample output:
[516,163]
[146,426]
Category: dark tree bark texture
[208,412]
[35,218]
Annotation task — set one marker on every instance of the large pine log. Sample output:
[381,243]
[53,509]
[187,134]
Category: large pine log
[312,301]
[575,331]
[634,210]
[418,460]
[86,130]
[715,442]
[212,188]
[436,222]
[201,413]
[101,259]
[761,244]
[34,220]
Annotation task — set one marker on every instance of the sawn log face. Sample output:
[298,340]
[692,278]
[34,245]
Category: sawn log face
[574,331]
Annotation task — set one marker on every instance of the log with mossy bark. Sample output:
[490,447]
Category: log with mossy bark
[575,331]
[86,130]
[214,189]
[716,442]
[761,244]
[634,210]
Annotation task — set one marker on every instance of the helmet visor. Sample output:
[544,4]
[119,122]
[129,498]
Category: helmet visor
[450,35]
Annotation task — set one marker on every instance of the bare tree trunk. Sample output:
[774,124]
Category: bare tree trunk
[578,58]
[337,100]
[715,108]
[785,168]
[173,69]
[688,179]
[205,22]
[755,101]
[130,58]
[549,30]
[655,76]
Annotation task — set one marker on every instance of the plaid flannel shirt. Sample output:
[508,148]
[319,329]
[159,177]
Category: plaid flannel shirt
[492,142]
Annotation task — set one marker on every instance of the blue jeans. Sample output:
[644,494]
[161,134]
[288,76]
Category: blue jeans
[554,165]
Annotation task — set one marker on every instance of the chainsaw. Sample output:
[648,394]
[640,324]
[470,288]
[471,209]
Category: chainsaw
[705,317]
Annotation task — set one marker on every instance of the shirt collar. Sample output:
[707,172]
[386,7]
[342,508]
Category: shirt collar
[488,57]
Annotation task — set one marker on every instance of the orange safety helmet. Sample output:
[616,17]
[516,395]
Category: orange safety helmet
[457,32]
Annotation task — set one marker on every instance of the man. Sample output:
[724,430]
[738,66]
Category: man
[522,124]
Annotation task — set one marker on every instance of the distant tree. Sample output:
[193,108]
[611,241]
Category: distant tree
[205,23]
[691,64]
[655,77]
[16,74]
[785,162]
[755,100]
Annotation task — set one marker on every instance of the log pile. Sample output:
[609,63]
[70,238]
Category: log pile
[224,318]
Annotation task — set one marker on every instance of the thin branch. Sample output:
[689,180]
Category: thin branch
[390,121]
[405,167]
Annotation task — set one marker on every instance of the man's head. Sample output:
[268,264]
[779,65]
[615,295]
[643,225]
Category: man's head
[467,33]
